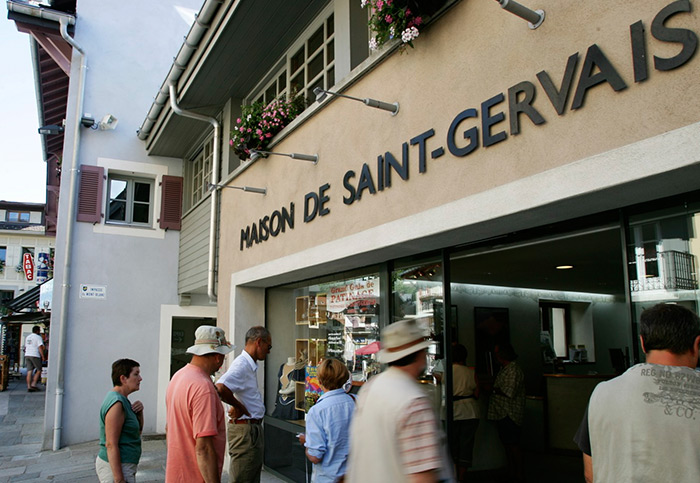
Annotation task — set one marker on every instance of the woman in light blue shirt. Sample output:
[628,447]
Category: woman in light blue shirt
[327,438]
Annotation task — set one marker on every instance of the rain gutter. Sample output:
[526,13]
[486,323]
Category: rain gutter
[213,214]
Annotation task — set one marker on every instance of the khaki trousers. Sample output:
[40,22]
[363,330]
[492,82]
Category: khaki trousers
[245,447]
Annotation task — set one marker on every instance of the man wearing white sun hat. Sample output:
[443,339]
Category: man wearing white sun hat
[196,425]
[394,435]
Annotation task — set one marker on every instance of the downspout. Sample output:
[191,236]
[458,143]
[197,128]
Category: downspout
[213,218]
[65,282]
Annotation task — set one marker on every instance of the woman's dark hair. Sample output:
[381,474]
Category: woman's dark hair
[122,367]
[669,327]
[332,373]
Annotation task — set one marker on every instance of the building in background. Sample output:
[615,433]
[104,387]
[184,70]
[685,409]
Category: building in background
[96,65]
[26,265]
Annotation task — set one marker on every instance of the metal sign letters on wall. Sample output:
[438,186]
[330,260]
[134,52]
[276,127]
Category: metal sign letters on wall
[597,69]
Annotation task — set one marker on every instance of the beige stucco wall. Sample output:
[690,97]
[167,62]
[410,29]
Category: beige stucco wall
[472,53]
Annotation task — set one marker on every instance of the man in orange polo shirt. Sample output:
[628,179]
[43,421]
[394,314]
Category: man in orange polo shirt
[196,425]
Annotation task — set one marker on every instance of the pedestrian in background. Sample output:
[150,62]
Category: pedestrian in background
[327,438]
[34,356]
[239,388]
[121,423]
[196,425]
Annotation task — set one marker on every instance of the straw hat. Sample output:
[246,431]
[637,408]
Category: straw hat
[401,339]
[209,340]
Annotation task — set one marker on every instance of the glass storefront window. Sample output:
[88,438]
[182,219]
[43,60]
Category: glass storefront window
[417,293]
[662,247]
[331,317]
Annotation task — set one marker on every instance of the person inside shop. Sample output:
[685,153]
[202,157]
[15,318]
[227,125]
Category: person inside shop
[327,438]
[465,411]
[34,357]
[641,425]
[507,407]
[395,436]
[121,423]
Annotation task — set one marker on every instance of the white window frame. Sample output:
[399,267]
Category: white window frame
[130,202]
[198,172]
[328,45]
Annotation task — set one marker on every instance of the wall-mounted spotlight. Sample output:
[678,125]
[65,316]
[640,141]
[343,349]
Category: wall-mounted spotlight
[51,129]
[262,191]
[107,123]
[255,154]
[534,17]
[393,108]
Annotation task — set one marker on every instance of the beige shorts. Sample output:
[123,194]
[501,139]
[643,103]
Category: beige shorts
[104,471]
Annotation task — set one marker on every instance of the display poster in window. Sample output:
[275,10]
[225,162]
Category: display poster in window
[357,296]
[312,389]
[336,342]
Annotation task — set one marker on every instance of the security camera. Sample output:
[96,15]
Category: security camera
[108,122]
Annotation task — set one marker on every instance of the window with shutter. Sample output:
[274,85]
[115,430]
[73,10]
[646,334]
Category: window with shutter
[171,202]
[90,194]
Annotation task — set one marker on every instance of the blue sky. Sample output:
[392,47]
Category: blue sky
[22,167]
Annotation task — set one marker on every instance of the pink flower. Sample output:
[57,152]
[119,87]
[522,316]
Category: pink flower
[258,131]
[388,19]
[418,20]
[250,130]
[268,135]
[380,4]
[230,142]
[408,11]
[238,121]
[242,140]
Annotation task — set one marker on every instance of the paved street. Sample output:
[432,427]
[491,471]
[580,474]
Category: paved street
[21,458]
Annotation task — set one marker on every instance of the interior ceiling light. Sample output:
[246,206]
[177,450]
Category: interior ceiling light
[565,267]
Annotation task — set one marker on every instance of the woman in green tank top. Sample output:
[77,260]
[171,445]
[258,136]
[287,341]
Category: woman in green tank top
[121,423]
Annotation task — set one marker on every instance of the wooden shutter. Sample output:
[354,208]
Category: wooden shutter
[90,194]
[171,202]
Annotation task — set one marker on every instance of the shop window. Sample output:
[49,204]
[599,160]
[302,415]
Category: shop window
[417,293]
[3,259]
[662,251]
[129,200]
[335,317]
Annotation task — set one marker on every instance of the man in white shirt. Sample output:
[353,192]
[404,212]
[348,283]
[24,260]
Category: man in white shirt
[239,388]
[33,357]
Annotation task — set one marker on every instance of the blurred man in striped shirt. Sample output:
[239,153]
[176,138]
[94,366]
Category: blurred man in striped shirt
[395,436]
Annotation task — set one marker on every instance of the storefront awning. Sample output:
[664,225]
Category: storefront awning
[27,300]
[27,318]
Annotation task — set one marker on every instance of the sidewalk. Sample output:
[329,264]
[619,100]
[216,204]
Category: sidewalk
[21,458]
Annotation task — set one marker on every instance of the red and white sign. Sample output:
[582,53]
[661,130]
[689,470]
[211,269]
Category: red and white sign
[28,265]
[342,296]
